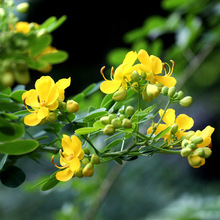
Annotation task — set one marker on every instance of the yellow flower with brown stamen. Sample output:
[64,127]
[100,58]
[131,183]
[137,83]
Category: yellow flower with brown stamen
[43,99]
[70,157]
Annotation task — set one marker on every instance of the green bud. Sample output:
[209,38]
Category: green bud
[174,129]
[145,96]
[185,143]
[120,95]
[95,159]
[116,122]
[105,120]
[199,152]
[185,152]
[130,110]
[189,134]
[192,146]
[159,86]
[79,173]
[85,160]
[135,76]
[186,101]
[143,75]
[126,123]
[164,90]
[197,140]
[7,79]
[72,106]
[171,91]
[22,7]
[86,151]
[111,117]
[180,94]
[207,152]
[52,117]
[121,117]
[109,130]
[194,160]
[152,91]
[88,170]
[121,111]
[62,105]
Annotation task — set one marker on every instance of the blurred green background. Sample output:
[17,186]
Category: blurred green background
[158,187]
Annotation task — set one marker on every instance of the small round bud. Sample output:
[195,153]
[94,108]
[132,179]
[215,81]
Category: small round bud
[52,117]
[111,117]
[185,152]
[189,134]
[95,159]
[85,160]
[171,91]
[143,75]
[88,170]
[109,130]
[186,101]
[185,143]
[145,96]
[135,76]
[194,160]
[129,110]
[174,129]
[62,105]
[126,123]
[121,111]
[192,146]
[207,152]
[86,151]
[7,79]
[180,94]
[120,95]
[105,120]
[152,91]
[72,106]
[197,140]
[121,117]
[199,152]
[164,90]
[116,122]
[79,173]
[159,86]
[22,7]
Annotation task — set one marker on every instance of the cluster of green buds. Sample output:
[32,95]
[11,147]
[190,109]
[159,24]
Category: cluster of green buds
[195,154]
[184,101]
[116,121]
[88,164]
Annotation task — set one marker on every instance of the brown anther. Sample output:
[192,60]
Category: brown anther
[172,63]
[165,68]
[101,71]
[38,98]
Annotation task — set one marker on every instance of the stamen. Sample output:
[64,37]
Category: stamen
[112,73]
[101,71]
[172,67]
[165,68]
[52,160]
[24,101]
[38,98]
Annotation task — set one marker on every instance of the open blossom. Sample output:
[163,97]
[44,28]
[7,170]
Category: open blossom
[121,75]
[43,99]
[70,157]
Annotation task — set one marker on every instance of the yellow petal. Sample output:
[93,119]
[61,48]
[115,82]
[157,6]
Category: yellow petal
[42,113]
[64,175]
[31,99]
[144,57]
[130,58]
[160,128]
[156,64]
[62,85]
[53,95]
[169,117]
[77,145]
[110,86]
[184,122]
[53,106]
[67,145]
[75,164]
[32,119]
[168,81]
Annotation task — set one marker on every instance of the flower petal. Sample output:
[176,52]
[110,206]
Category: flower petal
[156,64]
[169,117]
[62,85]
[168,81]
[64,175]
[31,99]
[110,86]
[160,128]
[32,119]
[144,57]
[67,145]
[77,145]
[53,106]
[42,113]
[184,122]
[130,58]
[75,164]
[53,95]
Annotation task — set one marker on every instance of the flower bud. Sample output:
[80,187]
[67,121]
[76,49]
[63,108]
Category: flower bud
[197,140]
[189,134]
[88,170]
[121,117]
[86,151]
[143,75]
[129,110]
[111,117]
[164,90]
[116,122]
[194,160]
[120,95]
[85,160]
[105,120]
[145,96]
[199,152]
[62,105]
[79,173]
[7,79]
[180,94]
[159,86]
[185,143]
[185,152]
[171,91]
[126,123]
[152,90]
[95,159]
[174,129]
[72,106]
[52,117]
[207,152]
[186,101]
[22,7]
[135,76]
[109,130]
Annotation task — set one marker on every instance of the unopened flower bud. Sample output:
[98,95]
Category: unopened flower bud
[120,95]
[105,120]
[189,134]
[164,90]
[111,117]
[62,105]
[88,170]
[185,143]
[116,122]
[129,110]
[121,117]
[135,76]
[199,152]
[143,75]
[207,152]
[180,94]
[185,152]
[52,117]
[194,160]
[186,101]
[159,86]
[152,90]
[85,160]
[79,173]
[7,79]
[72,106]
[86,151]
[126,123]
[174,129]
[109,130]
[197,140]
[171,91]
[22,7]
[145,96]
[95,159]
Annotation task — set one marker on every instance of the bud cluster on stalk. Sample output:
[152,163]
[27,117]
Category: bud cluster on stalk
[116,121]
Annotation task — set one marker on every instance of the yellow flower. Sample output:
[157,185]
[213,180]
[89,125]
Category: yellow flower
[23,27]
[153,66]
[121,76]
[70,157]
[43,99]
[183,121]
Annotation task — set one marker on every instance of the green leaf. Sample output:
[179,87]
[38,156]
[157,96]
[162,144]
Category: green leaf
[107,101]
[54,58]
[99,125]
[18,147]
[162,133]
[56,24]
[50,183]
[10,131]
[48,22]
[12,177]
[86,130]
[70,116]
[9,106]
[3,161]
[90,89]
[113,143]
[16,96]
[95,114]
